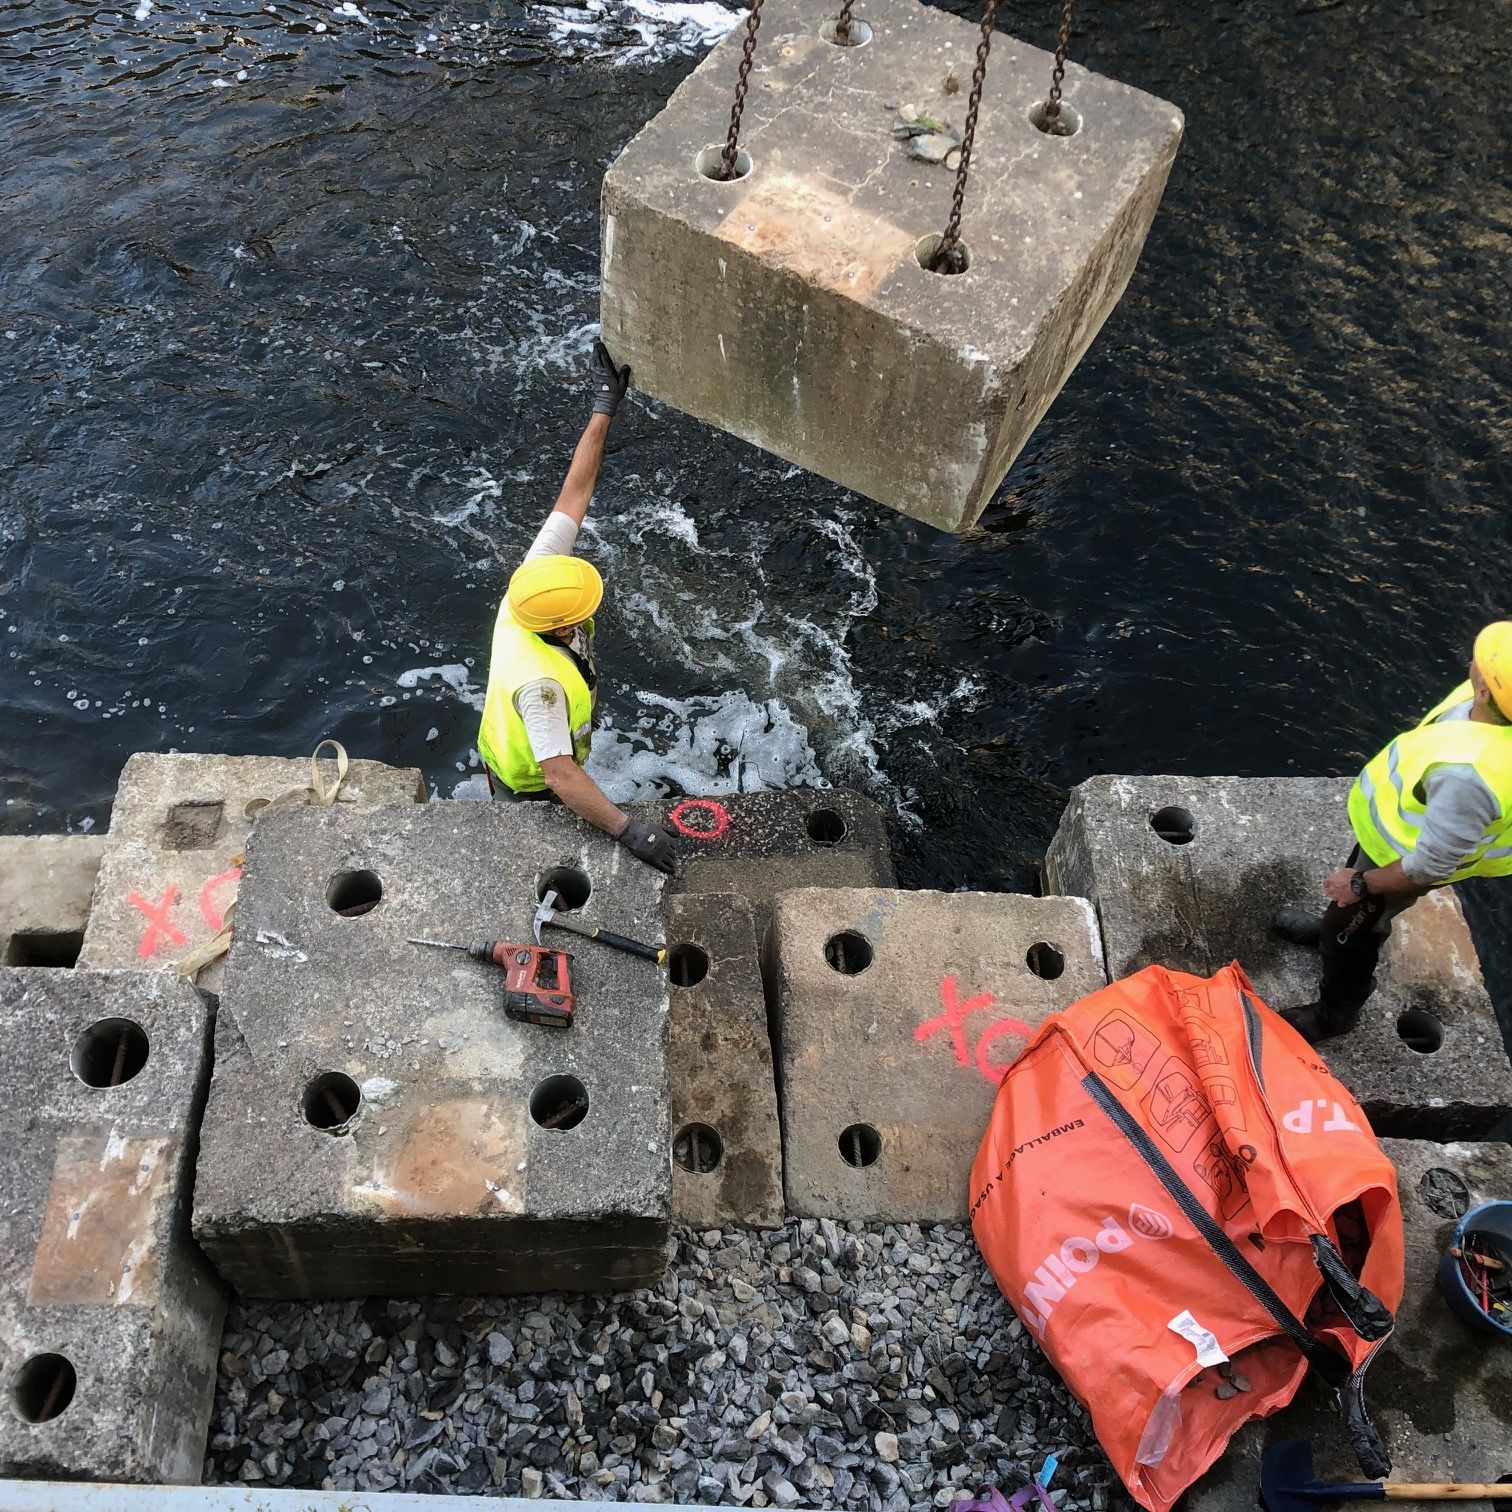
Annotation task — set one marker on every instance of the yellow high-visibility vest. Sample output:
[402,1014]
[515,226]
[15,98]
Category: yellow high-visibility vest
[519,657]
[1388,800]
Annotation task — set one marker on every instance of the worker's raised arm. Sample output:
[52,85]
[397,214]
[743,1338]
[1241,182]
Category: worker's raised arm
[610,385]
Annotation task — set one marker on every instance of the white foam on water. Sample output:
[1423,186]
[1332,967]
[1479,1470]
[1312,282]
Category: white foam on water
[664,28]
[707,745]
[346,8]
[143,10]
[455,675]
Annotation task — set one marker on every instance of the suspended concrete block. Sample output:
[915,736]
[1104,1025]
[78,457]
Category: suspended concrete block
[376,1125]
[110,1317]
[173,855]
[896,1014]
[1187,872]
[790,306]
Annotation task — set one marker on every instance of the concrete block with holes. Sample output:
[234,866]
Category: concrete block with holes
[756,845]
[726,1142]
[1438,1388]
[110,1317]
[178,828]
[896,1013]
[376,1125]
[45,886]
[792,306]
[1189,871]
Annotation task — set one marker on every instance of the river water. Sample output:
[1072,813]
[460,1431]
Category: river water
[294,303]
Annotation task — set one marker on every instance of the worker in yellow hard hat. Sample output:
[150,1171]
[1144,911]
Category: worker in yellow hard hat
[1434,807]
[542,681]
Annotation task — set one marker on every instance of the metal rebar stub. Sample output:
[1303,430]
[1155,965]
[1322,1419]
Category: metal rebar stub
[794,305]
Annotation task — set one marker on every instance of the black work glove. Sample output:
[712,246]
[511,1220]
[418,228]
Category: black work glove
[649,843]
[610,383]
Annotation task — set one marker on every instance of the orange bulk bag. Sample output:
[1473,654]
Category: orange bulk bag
[1172,1178]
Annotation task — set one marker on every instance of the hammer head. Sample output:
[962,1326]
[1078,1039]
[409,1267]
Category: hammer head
[545,913]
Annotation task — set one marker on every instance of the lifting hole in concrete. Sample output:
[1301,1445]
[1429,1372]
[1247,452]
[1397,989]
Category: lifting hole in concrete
[848,952]
[354,893]
[195,825]
[55,950]
[43,1387]
[331,1102]
[1420,1030]
[559,1102]
[109,1053]
[710,163]
[859,34]
[698,1148]
[1444,1192]
[255,806]
[1044,960]
[927,255]
[1066,124]
[860,1145]
[1174,825]
[825,827]
[687,965]
[570,883]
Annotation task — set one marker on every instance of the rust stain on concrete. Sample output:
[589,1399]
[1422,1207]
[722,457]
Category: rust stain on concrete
[812,231]
[453,1158]
[1430,945]
[96,1244]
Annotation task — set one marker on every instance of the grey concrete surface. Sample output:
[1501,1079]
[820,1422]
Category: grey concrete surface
[442,1180]
[178,827]
[45,887]
[110,1318]
[896,1012]
[789,307]
[759,844]
[1439,1391]
[1256,843]
[726,1141]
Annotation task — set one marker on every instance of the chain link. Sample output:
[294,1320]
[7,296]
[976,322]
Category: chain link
[1053,123]
[742,83]
[842,26]
[950,258]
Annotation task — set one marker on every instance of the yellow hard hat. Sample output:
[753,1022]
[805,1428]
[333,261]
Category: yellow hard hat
[548,592]
[1493,656]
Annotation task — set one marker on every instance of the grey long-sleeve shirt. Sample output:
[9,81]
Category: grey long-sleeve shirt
[1461,808]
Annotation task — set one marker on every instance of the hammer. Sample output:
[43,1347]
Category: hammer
[547,914]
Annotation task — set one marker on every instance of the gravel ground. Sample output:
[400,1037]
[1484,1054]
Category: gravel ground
[816,1366]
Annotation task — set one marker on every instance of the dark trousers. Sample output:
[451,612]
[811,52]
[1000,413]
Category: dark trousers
[502,794]
[1350,940]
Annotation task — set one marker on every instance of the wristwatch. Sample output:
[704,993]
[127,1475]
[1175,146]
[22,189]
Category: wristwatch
[1357,885]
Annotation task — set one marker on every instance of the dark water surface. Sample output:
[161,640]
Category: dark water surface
[291,371]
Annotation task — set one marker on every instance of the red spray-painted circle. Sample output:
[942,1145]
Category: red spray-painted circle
[718,819]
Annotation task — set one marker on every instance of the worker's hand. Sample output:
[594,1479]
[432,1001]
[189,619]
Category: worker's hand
[649,843]
[610,383]
[1339,888]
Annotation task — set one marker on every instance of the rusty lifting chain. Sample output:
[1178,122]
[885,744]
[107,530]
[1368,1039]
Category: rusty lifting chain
[949,256]
[731,151]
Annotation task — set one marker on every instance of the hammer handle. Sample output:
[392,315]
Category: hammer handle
[630,947]
[1444,1491]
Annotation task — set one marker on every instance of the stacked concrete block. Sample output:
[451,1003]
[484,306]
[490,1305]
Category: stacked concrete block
[110,1318]
[759,844]
[897,1013]
[178,828]
[1438,1390]
[376,1125]
[726,1141]
[1189,871]
[45,886]
[792,306]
